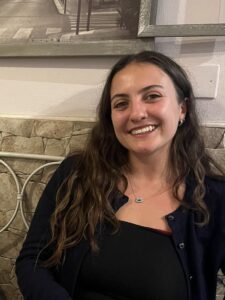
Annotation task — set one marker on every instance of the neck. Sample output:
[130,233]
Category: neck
[150,168]
[148,178]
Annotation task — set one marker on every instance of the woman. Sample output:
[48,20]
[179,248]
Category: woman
[139,214]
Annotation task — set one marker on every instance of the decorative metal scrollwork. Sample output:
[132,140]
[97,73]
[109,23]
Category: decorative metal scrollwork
[54,160]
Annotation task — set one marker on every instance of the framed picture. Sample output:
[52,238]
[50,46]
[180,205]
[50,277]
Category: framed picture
[149,28]
[44,28]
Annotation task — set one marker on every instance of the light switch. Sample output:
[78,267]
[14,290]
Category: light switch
[205,80]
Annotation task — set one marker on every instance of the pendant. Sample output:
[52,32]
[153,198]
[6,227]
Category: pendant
[139,200]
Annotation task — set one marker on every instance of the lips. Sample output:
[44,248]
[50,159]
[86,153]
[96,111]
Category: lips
[143,130]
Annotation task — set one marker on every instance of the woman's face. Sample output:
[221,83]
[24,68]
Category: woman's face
[145,110]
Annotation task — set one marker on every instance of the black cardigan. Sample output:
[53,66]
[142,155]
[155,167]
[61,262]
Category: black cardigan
[200,249]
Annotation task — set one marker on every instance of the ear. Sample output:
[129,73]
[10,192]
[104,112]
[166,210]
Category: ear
[183,110]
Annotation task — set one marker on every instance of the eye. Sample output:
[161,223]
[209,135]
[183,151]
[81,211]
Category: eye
[120,105]
[152,96]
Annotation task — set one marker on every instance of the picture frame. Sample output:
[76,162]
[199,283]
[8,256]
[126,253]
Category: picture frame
[150,29]
[93,47]
[143,40]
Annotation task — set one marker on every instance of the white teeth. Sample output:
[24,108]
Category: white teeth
[143,130]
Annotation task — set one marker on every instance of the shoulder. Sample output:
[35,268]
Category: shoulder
[215,185]
[66,168]
[215,193]
[70,162]
[68,165]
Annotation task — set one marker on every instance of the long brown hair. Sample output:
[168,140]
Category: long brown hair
[92,186]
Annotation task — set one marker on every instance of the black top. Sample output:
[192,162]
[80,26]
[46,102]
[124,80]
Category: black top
[135,263]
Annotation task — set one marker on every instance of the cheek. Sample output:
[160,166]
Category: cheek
[118,120]
[116,123]
[170,117]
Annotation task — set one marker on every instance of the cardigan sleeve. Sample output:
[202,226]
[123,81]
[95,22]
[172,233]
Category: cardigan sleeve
[35,281]
[223,265]
[220,225]
[223,246]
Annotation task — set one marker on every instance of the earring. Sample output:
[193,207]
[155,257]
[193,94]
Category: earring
[181,122]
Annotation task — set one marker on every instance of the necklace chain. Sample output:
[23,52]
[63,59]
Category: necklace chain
[139,199]
[136,199]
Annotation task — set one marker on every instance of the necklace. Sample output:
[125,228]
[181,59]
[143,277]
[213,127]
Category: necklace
[136,199]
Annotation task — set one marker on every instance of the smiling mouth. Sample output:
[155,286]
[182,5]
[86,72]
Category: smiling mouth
[146,129]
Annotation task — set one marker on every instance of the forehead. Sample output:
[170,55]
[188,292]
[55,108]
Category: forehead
[137,75]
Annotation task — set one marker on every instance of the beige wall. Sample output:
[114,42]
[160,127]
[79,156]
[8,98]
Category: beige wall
[53,87]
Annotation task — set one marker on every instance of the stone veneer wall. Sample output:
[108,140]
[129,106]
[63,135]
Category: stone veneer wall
[58,138]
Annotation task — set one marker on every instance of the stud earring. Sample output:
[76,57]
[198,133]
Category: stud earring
[181,122]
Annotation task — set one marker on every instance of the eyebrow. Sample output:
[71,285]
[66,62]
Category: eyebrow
[146,88]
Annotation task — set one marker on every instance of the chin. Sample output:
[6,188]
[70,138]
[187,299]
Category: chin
[142,151]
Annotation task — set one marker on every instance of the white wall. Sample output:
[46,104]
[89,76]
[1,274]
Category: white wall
[56,87]
[198,53]
[70,88]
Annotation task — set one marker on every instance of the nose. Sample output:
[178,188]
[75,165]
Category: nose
[138,111]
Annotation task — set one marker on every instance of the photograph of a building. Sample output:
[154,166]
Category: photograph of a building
[46,21]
